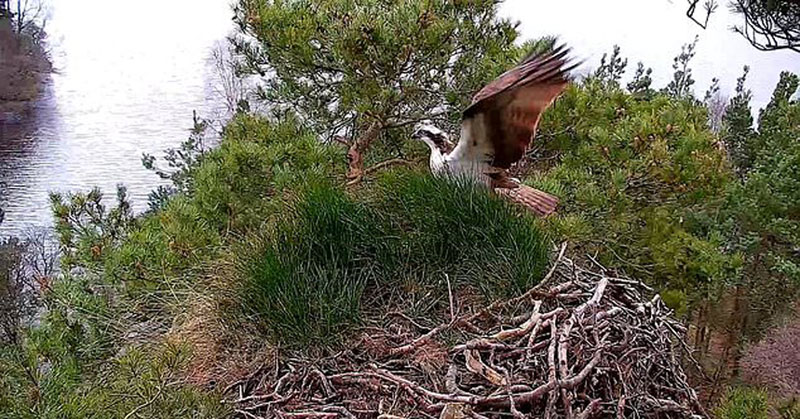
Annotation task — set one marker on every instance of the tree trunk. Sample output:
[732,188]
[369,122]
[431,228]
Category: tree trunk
[355,154]
[701,331]
[736,331]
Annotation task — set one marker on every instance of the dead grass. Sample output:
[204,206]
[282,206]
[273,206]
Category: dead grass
[222,352]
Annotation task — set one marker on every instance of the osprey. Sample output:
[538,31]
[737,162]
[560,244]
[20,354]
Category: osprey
[498,126]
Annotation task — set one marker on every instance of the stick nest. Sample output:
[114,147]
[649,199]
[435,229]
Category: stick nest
[581,344]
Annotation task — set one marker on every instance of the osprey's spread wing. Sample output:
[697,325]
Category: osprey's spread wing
[502,119]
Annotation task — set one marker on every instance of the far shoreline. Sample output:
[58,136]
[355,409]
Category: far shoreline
[24,67]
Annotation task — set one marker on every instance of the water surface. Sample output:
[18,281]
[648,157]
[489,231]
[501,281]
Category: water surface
[129,76]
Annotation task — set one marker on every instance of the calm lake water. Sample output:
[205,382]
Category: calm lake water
[131,73]
[129,76]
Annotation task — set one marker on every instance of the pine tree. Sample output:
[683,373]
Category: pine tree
[642,80]
[537,46]
[768,118]
[682,81]
[363,72]
[738,126]
[765,205]
[611,67]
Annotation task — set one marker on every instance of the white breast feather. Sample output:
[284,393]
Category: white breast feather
[473,153]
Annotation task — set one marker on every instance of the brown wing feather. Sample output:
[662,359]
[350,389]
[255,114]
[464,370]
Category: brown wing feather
[512,104]
[541,68]
[518,120]
[540,203]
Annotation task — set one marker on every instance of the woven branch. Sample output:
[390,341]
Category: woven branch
[582,344]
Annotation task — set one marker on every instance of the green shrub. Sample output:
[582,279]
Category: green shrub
[163,244]
[642,184]
[235,186]
[86,228]
[142,382]
[676,300]
[743,403]
[149,382]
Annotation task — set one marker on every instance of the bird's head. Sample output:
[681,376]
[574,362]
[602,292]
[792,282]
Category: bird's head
[430,134]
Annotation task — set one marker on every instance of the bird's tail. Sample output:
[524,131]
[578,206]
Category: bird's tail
[540,203]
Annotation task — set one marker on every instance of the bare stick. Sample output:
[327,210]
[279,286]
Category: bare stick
[611,343]
[450,297]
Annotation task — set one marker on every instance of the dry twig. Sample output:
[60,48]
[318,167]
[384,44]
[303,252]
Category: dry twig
[581,344]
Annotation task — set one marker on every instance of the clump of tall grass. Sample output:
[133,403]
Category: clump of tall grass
[457,227]
[307,278]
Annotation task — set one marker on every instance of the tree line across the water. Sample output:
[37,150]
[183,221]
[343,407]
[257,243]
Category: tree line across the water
[23,55]
[314,210]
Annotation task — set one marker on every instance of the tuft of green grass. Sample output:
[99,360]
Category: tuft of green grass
[457,227]
[306,279]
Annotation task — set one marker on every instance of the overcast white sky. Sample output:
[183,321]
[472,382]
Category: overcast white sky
[653,31]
